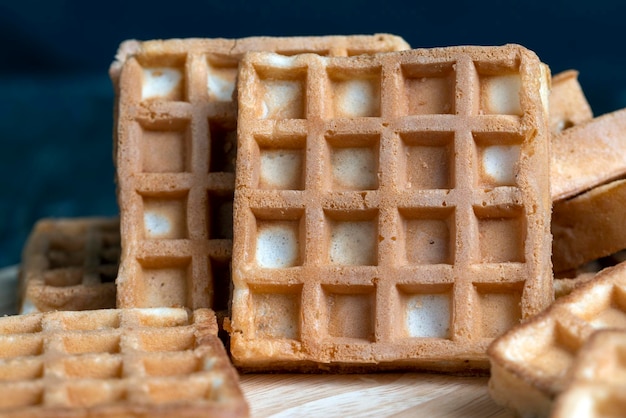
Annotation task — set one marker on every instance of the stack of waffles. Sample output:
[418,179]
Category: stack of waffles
[337,203]
[568,360]
[175,155]
[155,351]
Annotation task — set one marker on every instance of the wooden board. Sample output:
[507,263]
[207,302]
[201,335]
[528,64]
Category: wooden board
[362,395]
[371,395]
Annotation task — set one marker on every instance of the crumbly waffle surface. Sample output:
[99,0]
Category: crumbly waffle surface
[70,264]
[391,211]
[116,362]
[175,157]
[531,364]
[598,385]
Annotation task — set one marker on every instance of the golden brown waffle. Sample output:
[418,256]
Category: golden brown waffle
[588,155]
[161,362]
[531,364]
[568,104]
[598,382]
[70,264]
[589,226]
[391,211]
[175,157]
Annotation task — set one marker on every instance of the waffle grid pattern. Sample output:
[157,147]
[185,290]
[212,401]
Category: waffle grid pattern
[558,335]
[71,264]
[107,361]
[597,385]
[176,151]
[375,241]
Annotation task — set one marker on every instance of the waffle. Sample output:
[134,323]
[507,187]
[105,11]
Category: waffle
[598,385]
[568,104]
[70,264]
[589,226]
[175,158]
[531,364]
[162,362]
[588,155]
[360,240]
[565,286]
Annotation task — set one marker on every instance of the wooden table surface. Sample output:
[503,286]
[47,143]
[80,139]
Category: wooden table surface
[369,395]
[358,395]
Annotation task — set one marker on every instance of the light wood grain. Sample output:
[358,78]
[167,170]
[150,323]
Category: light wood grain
[371,395]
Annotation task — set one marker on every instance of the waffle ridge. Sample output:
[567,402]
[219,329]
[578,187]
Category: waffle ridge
[597,385]
[70,264]
[116,362]
[532,363]
[361,241]
[175,158]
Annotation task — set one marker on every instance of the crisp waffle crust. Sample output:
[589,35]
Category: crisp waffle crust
[175,154]
[588,155]
[70,264]
[589,226]
[537,357]
[598,385]
[116,362]
[568,104]
[391,211]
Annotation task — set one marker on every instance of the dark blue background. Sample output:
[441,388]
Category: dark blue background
[56,99]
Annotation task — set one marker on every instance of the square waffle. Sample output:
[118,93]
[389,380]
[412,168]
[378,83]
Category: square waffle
[391,211]
[70,264]
[161,362]
[598,385]
[175,158]
[532,363]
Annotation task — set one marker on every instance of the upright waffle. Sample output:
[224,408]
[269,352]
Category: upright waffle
[531,364]
[598,383]
[175,155]
[70,264]
[391,211]
[161,362]
[588,155]
[568,104]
